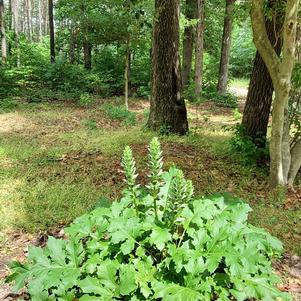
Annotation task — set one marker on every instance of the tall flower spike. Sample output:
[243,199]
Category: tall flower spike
[129,167]
[155,161]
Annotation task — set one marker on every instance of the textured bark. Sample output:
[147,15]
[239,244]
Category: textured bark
[226,45]
[259,99]
[295,162]
[167,110]
[3,35]
[15,13]
[28,9]
[51,29]
[40,20]
[127,74]
[199,47]
[280,71]
[87,54]
[190,13]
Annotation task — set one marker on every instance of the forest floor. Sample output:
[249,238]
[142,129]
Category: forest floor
[60,160]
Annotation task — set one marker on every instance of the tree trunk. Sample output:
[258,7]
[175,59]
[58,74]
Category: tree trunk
[167,108]
[10,24]
[295,162]
[259,99]
[226,45]
[15,10]
[87,54]
[127,73]
[190,8]
[199,47]
[3,35]
[51,28]
[40,21]
[72,46]
[280,69]
[28,9]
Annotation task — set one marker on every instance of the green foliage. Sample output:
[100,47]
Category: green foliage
[157,243]
[245,148]
[242,50]
[120,113]
[85,99]
[7,104]
[90,124]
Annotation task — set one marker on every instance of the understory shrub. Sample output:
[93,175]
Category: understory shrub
[158,242]
[120,113]
[245,148]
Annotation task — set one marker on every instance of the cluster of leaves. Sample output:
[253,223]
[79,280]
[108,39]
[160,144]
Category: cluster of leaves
[249,151]
[120,113]
[157,243]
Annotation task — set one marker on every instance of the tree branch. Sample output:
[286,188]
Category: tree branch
[262,41]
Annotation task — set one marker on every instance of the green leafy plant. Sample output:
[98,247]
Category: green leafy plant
[85,99]
[158,242]
[120,113]
[245,148]
[8,104]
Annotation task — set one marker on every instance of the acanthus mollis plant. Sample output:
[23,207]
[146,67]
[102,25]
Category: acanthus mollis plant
[158,242]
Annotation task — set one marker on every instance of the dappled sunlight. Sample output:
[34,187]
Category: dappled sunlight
[14,122]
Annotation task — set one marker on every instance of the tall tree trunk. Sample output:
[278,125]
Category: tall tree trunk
[226,45]
[127,73]
[259,99]
[40,34]
[190,12]
[199,47]
[10,24]
[28,10]
[51,28]
[72,46]
[3,35]
[15,11]
[280,70]
[167,107]
[87,54]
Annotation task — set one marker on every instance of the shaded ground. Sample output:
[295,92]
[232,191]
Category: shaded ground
[59,160]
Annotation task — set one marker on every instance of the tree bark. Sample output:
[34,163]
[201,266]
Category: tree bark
[40,20]
[190,13]
[199,47]
[28,9]
[3,35]
[259,99]
[87,54]
[167,107]
[226,45]
[15,11]
[127,73]
[72,46]
[280,70]
[51,28]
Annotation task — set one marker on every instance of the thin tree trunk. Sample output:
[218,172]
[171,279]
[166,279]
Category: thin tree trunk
[199,47]
[51,28]
[15,10]
[295,162]
[226,45]
[40,21]
[10,24]
[28,9]
[260,94]
[190,12]
[87,54]
[3,35]
[72,46]
[127,73]
[167,107]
